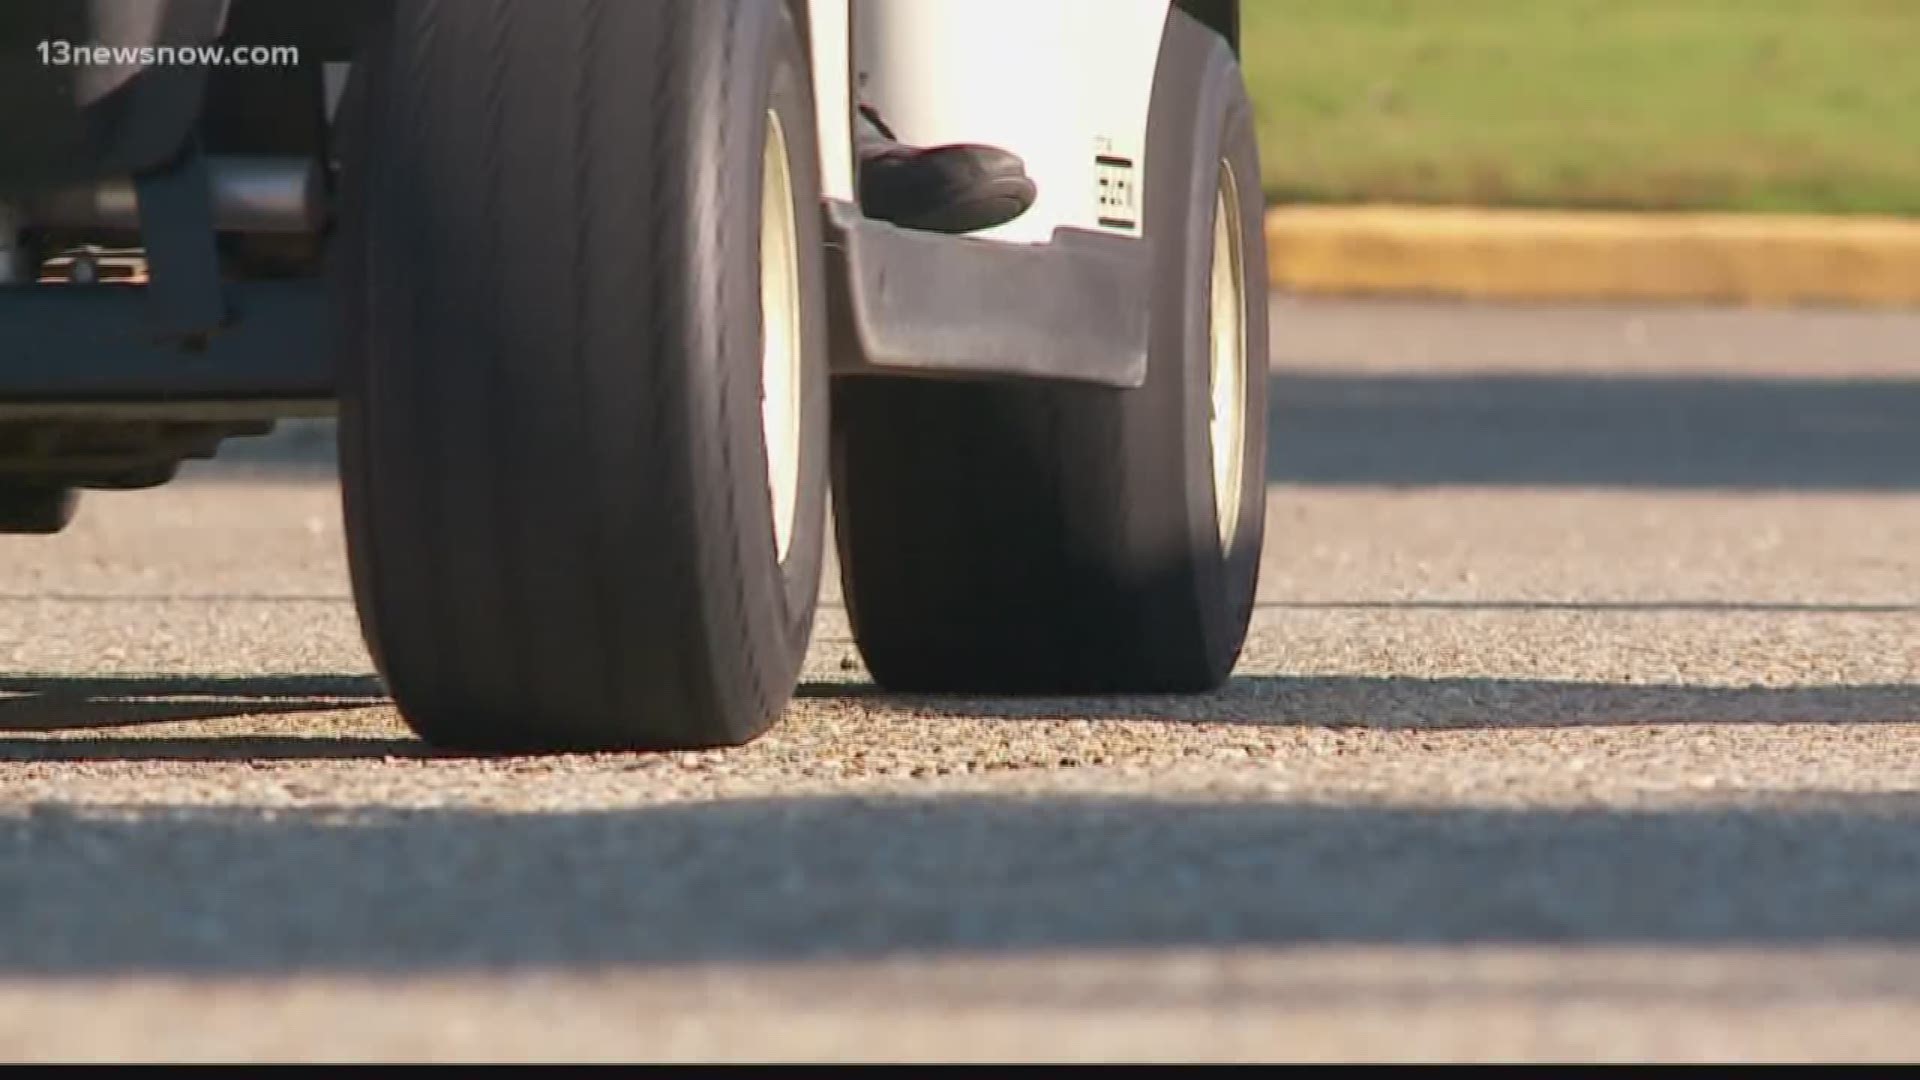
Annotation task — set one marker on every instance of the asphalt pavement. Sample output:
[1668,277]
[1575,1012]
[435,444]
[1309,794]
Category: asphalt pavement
[1580,719]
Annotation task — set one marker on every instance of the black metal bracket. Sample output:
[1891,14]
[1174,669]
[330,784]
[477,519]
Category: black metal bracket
[184,295]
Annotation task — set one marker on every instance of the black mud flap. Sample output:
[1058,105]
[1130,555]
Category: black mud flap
[927,305]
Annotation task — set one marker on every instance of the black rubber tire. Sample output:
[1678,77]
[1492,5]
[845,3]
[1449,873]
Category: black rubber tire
[553,468]
[1025,538]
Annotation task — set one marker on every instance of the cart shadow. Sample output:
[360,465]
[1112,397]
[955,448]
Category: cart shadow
[49,704]
[54,719]
[1396,703]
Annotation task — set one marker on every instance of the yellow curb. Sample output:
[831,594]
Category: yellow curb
[1577,255]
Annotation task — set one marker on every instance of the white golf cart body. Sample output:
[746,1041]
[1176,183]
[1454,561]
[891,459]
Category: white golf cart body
[1065,84]
[590,290]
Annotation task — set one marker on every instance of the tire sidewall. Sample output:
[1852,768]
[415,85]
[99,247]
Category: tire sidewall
[1201,117]
[780,83]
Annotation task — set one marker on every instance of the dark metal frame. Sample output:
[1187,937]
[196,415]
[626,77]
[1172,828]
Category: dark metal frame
[186,337]
[189,343]
[100,344]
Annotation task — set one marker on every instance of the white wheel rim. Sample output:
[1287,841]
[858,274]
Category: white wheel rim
[779,334]
[1227,368]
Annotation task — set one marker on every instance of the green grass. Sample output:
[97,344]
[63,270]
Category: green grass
[1771,105]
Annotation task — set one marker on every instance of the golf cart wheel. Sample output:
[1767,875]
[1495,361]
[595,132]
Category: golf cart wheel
[583,409]
[1066,539]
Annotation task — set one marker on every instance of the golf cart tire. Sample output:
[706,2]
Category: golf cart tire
[554,471]
[1020,537]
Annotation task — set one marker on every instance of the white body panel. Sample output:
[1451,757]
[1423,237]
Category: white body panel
[830,36]
[1062,83]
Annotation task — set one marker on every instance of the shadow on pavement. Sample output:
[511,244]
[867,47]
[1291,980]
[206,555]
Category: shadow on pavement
[44,704]
[1499,429]
[121,890]
[56,702]
[1352,701]
[1491,429]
